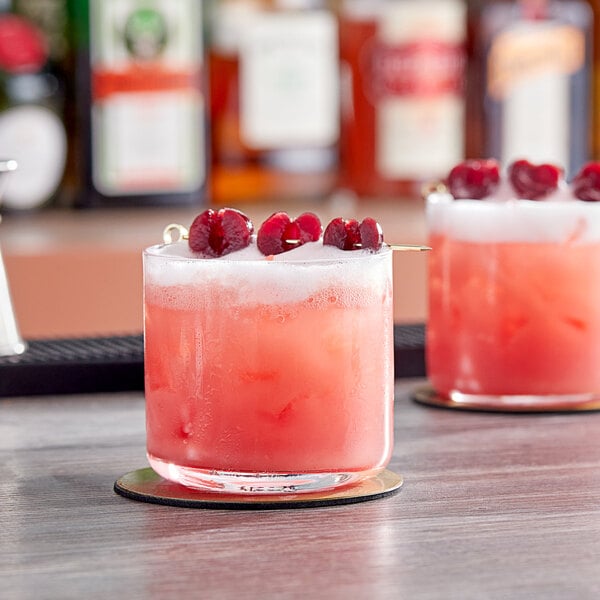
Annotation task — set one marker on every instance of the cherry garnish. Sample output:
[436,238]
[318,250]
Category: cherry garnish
[342,233]
[586,184]
[534,182]
[474,179]
[279,233]
[310,227]
[371,234]
[217,233]
[349,234]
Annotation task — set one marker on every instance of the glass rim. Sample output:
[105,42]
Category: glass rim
[446,199]
[353,256]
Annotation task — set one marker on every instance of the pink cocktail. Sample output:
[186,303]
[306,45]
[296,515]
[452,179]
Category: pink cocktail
[268,374]
[514,302]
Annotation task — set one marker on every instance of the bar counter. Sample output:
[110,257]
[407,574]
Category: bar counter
[79,273]
[492,506]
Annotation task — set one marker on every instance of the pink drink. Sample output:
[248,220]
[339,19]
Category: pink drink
[268,375]
[514,302]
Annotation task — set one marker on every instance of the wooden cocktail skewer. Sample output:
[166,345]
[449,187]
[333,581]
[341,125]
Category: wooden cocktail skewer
[437,187]
[409,247]
[183,234]
[396,247]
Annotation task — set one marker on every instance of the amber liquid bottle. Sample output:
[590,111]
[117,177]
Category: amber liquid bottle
[140,122]
[595,129]
[274,100]
[536,70]
[475,84]
[403,93]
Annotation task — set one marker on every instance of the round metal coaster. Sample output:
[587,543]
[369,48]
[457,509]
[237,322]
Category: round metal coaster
[428,396]
[146,486]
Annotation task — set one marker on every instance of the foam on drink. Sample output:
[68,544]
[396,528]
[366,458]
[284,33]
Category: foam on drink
[249,277]
[559,219]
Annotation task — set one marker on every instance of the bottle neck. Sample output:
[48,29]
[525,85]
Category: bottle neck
[534,10]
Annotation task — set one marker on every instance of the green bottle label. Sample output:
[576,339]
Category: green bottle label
[147,100]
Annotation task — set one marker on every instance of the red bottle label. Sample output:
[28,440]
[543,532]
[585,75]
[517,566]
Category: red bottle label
[420,68]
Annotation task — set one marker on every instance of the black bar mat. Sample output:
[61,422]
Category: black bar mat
[116,363]
[409,350]
[74,366]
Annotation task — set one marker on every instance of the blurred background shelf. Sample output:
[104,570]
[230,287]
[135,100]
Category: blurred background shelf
[120,106]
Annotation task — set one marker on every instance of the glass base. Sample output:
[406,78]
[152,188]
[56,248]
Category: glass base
[233,482]
[510,403]
[144,485]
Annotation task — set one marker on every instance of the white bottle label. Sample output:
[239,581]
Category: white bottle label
[35,137]
[417,140]
[535,123]
[529,70]
[417,68]
[147,103]
[289,80]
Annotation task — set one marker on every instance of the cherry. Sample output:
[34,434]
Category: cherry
[349,234]
[534,182]
[216,233]
[310,227]
[343,233]
[586,184]
[475,178]
[279,233]
[371,234]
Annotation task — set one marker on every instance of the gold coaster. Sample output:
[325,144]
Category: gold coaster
[428,396]
[146,486]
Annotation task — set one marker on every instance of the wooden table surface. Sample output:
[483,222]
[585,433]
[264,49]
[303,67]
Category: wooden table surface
[493,506]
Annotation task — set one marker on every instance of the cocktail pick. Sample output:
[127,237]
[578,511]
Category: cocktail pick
[409,247]
[174,232]
[433,187]
[398,247]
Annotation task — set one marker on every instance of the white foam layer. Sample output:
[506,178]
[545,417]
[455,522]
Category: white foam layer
[311,251]
[558,219]
[250,277]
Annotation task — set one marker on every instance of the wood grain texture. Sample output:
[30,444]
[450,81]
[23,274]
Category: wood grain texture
[493,506]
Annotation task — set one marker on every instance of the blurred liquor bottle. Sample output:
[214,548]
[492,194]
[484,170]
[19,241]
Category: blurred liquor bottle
[475,84]
[536,65]
[140,122]
[403,93]
[595,129]
[33,47]
[274,99]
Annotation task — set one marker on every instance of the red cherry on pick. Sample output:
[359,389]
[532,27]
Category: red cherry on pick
[534,182]
[474,179]
[279,233]
[586,184]
[217,233]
